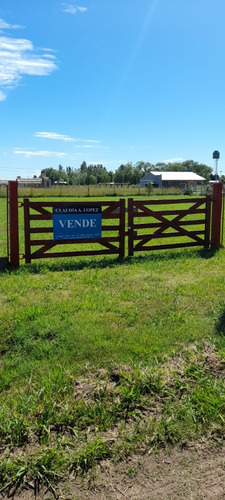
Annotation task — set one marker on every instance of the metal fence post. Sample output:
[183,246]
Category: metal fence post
[13,224]
[216,215]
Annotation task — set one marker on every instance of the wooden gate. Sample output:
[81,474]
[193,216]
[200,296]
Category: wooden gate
[199,223]
[37,215]
[161,219]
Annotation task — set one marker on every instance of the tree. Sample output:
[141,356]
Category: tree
[149,188]
[83,167]
[55,175]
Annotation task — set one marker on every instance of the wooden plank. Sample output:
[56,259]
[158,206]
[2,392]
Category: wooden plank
[52,255]
[169,201]
[190,234]
[13,223]
[39,209]
[49,217]
[142,244]
[169,246]
[76,241]
[152,225]
[130,226]
[50,229]
[122,229]
[154,214]
[37,230]
[27,231]
[40,217]
[208,221]
[36,204]
[112,210]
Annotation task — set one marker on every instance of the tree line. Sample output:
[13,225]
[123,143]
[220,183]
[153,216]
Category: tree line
[129,173]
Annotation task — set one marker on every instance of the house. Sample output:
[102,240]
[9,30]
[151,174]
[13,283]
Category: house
[165,179]
[34,182]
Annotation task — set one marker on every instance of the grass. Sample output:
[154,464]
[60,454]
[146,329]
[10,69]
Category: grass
[99,359]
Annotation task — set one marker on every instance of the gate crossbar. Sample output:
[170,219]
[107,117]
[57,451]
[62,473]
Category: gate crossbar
[138,209]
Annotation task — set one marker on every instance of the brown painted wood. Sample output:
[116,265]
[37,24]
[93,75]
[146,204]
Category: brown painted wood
[145,210]
[110,210]
[122,229]
[52,255]
[27,231]
[50,229]
[174,234]
[13,227]
[168,246]
[169,201]
[152,213]
[152,225]
[131,214]
[73,242]
[208,220]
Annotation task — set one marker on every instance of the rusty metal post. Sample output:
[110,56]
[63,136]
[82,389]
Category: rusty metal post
[13,224]
[216,215]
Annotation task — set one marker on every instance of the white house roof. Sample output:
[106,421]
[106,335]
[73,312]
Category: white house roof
[178,176]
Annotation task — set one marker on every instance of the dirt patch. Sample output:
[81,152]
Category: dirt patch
[209,359]
[196,473]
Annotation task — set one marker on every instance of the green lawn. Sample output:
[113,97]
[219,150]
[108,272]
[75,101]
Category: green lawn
[94,346]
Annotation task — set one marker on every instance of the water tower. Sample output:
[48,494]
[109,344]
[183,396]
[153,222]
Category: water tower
[216,156]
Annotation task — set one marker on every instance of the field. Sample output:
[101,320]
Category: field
[103,361]
[96,191]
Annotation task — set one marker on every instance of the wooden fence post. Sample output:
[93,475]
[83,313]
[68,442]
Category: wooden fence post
[13,224]
[216,215]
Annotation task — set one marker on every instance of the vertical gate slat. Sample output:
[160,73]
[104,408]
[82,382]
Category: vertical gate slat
[207,220]
[122,229]
[27,230]
[130,228]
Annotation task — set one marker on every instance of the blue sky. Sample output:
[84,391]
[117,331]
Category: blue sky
[110,81]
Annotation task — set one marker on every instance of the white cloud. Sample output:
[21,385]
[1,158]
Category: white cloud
[7,26]
[28,154]
[54,135]
[73,9]
[2,96]
[65,138]
[174,160]
[88,140]
[82,9]
[18,57]
[88,146]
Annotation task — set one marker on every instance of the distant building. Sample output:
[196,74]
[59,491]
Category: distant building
[165,179]
[61,183]
[42,181]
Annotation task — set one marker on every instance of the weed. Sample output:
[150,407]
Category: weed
[88,456]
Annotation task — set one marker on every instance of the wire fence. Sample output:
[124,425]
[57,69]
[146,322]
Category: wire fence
[97,191]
